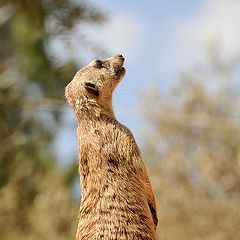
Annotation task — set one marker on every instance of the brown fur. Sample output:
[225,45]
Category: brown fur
[117,201]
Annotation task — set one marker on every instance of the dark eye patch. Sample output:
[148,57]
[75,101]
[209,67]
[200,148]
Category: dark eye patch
[99,63]
[92,88]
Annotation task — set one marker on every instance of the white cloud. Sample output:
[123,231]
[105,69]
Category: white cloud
[121,34]
[217,19]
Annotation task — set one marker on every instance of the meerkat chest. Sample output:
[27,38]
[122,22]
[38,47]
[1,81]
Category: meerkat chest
[105,146]
[109,136]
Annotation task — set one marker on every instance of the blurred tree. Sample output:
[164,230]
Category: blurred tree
[35,200]
[194,153]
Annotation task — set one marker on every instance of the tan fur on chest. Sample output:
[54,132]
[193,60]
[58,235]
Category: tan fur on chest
[116,196]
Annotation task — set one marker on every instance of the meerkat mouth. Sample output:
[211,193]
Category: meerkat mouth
[120,71]
[117,66]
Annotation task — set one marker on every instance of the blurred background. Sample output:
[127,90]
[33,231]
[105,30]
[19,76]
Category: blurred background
[180,97]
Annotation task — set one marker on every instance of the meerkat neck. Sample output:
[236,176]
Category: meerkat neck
[107,109]
[94,111]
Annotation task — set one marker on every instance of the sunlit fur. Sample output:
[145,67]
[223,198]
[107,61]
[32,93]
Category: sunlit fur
[117,201]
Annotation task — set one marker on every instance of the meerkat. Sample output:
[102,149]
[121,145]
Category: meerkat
[117,201]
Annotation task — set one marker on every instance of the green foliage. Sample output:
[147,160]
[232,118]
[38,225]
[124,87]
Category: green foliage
[35,200]
[195,154]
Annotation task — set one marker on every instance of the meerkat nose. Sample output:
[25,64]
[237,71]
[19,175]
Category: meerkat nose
[119,56]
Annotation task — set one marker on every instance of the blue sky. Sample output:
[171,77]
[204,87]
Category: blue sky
[159,39]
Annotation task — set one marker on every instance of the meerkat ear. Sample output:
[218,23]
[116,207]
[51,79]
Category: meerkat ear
[92,88]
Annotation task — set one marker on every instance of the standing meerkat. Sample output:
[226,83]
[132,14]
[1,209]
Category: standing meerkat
[117,202]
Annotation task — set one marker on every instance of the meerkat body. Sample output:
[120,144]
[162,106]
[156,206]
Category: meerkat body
[117,202]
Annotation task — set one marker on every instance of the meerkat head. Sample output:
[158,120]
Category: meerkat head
[93,85]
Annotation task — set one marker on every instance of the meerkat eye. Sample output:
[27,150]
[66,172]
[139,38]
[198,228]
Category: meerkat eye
[99,63]
[91,88]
